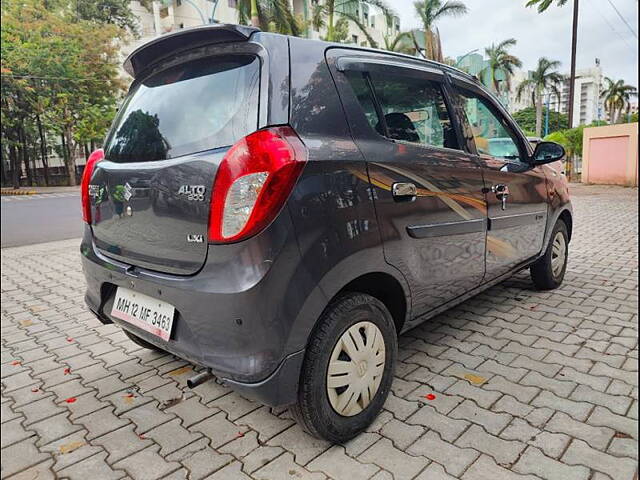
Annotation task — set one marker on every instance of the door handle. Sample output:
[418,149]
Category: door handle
[502,193]
[404,192]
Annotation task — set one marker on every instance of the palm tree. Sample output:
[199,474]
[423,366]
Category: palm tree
[500,61]
[272,15]
[430,11]
[545,77]
[325,15]
[617,96]
[544,5]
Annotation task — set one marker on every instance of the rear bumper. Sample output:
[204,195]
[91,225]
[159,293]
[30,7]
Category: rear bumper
[234,316]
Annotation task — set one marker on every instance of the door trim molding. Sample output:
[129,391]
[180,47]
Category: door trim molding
[445,229]
[517,220]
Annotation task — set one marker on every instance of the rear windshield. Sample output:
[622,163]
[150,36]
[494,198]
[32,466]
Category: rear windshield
[200,105]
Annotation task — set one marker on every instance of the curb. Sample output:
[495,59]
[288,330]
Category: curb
[17,192]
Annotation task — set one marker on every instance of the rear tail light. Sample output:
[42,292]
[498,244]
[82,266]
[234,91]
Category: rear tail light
[94,158]
[253,181]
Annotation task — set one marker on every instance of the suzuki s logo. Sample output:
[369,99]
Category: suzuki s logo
[194,193]
[194,238]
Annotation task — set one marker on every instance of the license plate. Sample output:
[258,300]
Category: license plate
[144,312]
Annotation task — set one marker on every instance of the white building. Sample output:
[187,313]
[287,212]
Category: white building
[588,105]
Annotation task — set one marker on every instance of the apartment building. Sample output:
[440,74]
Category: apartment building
[588,105]
[166,16]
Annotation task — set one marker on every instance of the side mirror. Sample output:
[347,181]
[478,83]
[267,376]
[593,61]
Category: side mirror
[547,152]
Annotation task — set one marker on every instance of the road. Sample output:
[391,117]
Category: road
[40,218]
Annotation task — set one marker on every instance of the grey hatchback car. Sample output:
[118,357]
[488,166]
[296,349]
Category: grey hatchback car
[278,210]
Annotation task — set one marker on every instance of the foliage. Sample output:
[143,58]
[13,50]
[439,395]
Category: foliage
[544,78]
[634,117]
[59,76]
[429,12]
[334,14]
[270,15]
[526,118]
[617,98]
[500,61]
[544,4]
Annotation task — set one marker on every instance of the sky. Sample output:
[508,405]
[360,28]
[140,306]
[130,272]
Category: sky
[602,33]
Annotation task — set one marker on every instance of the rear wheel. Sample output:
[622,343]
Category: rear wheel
[143,343]
[348,368]
[548,272]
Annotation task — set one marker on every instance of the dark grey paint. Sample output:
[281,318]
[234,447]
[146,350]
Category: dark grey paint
[246,310]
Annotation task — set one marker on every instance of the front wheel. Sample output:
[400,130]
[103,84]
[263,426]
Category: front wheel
[348,368]
[548,271]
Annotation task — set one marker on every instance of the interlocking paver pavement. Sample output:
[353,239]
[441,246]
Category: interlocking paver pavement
[527,384]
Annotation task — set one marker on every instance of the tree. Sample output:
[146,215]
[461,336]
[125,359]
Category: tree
[543,5]
[430,12]
[617,98]
[526,118]
[269,15]
[55,69]
[334,14]
[544,77]
[500,61]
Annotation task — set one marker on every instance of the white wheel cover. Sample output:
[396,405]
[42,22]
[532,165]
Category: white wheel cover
[355,368]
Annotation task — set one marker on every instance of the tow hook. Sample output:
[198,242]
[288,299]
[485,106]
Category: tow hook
[200,378]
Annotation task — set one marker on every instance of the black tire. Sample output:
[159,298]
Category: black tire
[314,411]
[143,343]
[542,272]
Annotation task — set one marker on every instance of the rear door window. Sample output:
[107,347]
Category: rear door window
[413,109]
[200,105]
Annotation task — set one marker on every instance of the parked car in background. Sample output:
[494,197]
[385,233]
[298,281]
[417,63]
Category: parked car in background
[278,210]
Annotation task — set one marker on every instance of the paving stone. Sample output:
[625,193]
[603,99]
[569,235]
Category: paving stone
[100,422]
[200,460]
[579,453]
[171,436]
[399,407]
[510,373]
[39,410]
[265,423]
[260,457]
[559,387]
[598,383]
[508,404]
[122,443]
[20,456]
[191,411]
[337,464]
[447,427]
[534,462]
[602,417]
[597,437]
[454,459]
[552,444]
[502,451]
[284,468]
[401,434]
[485,468]
[522,393]
[434,472]
[520,430]
[147,416]
[146,464]
[233,471]
[303,446]
[13,432]
[233,405]
[53,428]
[577,410]
[482,397]
[623,447]
[70,450]
[492,422]
[41,471]
[219,429]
